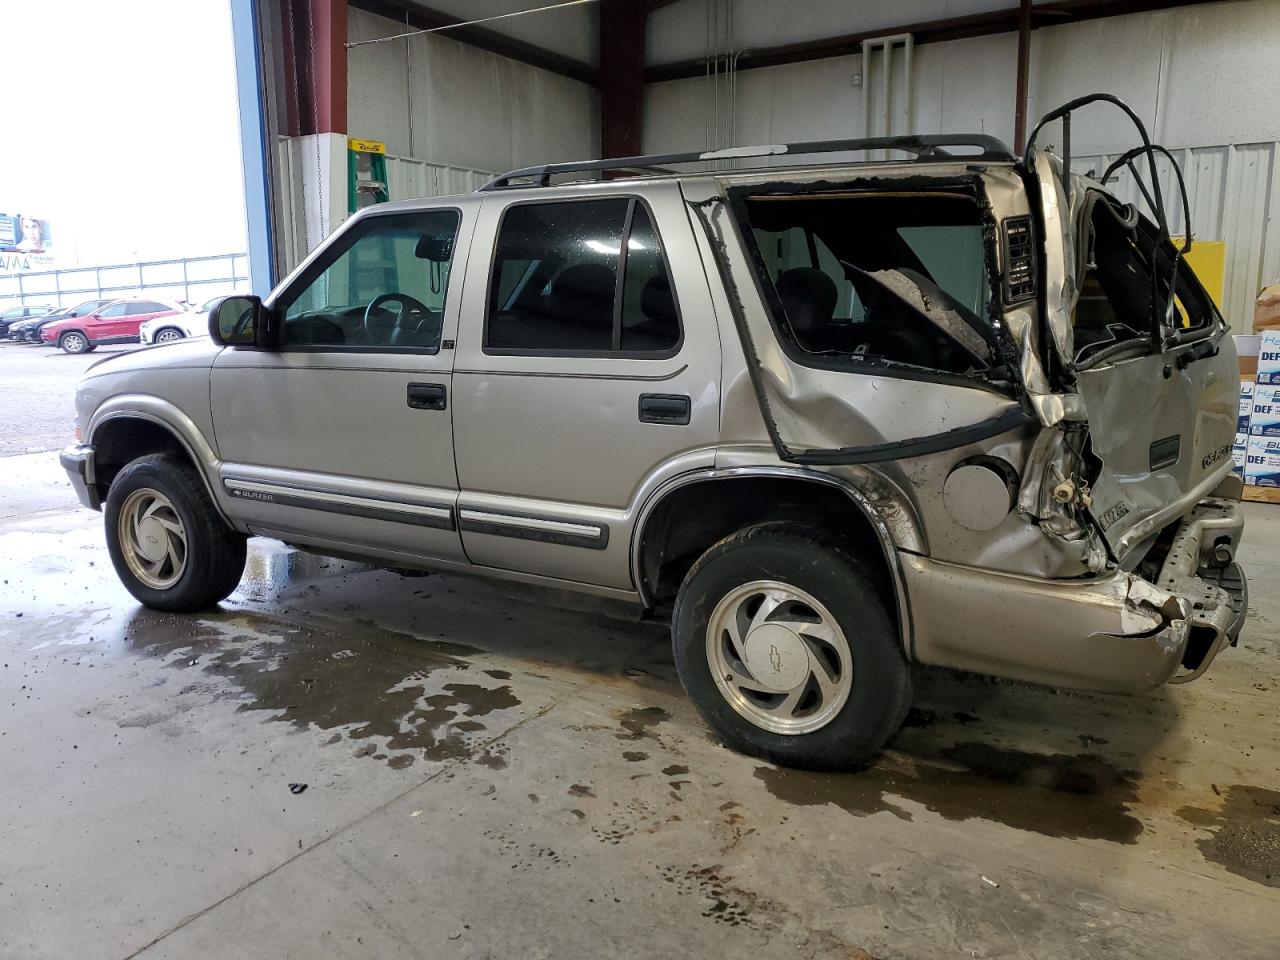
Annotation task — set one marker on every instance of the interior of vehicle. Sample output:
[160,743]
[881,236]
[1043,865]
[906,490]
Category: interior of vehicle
[1124,293]
[889,277]
[382,289]
[555,283]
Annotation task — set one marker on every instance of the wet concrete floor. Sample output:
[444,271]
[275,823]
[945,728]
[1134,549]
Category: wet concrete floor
[344,762]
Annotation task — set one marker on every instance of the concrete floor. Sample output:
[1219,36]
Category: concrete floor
[493,772]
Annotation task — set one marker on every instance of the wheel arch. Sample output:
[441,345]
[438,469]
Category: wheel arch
[726,499]
[128,427]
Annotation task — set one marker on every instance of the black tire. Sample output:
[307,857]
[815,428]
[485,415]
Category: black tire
[880,694]
[74,341]
[215,553]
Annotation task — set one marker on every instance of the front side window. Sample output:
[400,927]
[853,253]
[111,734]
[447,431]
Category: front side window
[891,279]
[580,277]
[382,287]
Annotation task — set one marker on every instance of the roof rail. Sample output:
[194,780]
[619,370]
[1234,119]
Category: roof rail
[925,147]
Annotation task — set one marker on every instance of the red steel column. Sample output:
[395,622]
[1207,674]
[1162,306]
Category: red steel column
[315,65]
[622,25]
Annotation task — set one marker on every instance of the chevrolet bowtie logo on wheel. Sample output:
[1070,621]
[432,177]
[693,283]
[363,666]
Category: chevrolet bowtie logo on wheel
[775,658]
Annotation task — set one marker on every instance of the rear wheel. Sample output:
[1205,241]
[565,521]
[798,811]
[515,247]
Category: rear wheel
[168,335]
[787,650]
[74,342]
[167,542]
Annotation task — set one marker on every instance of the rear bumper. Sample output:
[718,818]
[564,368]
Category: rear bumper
[77,460]
[1118,633]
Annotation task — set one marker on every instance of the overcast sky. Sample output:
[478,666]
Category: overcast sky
[118,125]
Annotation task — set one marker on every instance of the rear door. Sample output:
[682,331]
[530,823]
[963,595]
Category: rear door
[588,364]
[1150,356]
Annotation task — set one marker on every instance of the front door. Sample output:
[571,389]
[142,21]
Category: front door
[588,363]
[340,435]
[109,322]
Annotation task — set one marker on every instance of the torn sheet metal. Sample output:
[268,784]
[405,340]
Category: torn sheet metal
[1061,273]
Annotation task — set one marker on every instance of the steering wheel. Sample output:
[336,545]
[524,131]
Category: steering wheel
[407,302]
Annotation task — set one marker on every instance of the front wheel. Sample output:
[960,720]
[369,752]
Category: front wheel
[167,542]
[74,342]
[788,651]
[168,335]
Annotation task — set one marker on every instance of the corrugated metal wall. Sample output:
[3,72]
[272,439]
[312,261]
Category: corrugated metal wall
[302,167]
[1234,194]
[407,177]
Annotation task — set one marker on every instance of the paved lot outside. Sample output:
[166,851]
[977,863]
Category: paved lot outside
[483,771]
[37,395]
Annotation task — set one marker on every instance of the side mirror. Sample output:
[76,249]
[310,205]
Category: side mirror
[236,321]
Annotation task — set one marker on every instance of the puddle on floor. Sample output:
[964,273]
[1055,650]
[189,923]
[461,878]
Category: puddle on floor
[1245,832]
[373,684]
[1058,795]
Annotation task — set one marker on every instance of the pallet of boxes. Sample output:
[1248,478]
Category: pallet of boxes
[1257,447]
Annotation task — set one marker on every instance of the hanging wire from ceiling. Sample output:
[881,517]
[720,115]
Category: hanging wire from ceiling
[470,23]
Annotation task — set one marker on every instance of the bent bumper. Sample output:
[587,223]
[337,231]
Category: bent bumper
[77,460]
[1118,633]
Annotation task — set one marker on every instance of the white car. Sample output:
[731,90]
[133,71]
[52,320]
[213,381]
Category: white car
[191,323]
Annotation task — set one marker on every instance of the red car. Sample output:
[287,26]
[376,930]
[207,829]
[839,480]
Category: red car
[116,322]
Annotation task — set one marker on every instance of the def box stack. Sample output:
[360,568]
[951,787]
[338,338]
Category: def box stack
[1262,455]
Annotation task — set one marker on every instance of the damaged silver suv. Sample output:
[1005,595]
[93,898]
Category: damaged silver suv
[960,409]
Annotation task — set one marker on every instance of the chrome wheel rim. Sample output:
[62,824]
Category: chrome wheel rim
[74,343]
[152,539]
[167,336]
[779,657]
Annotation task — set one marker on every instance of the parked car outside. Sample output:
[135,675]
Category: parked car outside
[31,330]
[14,315]
[837,419]
[117,322]
[168,329]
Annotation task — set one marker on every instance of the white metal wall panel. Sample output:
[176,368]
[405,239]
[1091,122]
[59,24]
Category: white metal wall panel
[1234,194]
[299,171]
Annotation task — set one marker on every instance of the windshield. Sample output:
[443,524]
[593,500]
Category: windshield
[877,278]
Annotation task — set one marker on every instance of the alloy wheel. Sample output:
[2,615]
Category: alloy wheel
[779,657]
[152,538]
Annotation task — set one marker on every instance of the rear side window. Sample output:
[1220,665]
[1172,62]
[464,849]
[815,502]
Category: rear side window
[115,310]
[580,277]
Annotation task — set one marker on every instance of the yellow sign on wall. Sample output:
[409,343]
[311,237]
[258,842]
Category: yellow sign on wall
[1208,259]
[366,146]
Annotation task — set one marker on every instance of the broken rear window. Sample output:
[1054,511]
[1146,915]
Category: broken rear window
[1124,293]
[880,278]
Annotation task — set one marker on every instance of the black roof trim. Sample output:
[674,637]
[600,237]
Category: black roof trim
[925,147]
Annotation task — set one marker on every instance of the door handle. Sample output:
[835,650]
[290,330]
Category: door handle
[664,408]
[427,396]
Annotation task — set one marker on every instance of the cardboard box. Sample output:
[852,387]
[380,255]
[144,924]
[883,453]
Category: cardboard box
[1266,309]
[1262,462]
[1269,358]
[1239,449]
[1247,346]
[1264,419]
[1246,406]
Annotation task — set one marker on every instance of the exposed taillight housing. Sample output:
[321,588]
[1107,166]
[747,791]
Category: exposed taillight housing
[1019,260]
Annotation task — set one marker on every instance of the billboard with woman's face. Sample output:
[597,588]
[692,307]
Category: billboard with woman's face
[25,243]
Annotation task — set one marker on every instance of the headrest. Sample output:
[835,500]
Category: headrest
[584,292]
[808,297]
[656,302]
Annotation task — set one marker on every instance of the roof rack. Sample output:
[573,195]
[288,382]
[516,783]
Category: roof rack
[925,147]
